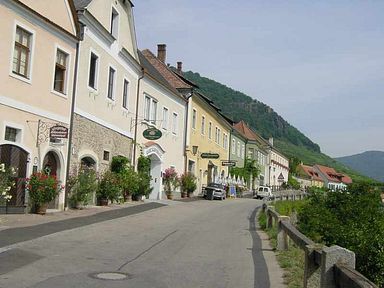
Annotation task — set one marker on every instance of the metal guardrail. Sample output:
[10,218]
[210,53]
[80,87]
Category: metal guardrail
[335,264]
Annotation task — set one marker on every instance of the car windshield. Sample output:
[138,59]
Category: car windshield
[261,189]
[216,185]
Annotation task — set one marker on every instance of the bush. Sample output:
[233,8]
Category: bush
[188,183]
[353,219]
[83,185]
[42,188]
[119,164]
[109,187]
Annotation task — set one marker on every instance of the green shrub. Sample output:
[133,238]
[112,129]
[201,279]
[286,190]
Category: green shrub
[353,219]
[109,187]
[119,164]
[82,186]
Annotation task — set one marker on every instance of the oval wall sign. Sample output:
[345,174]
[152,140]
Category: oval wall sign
[152,134]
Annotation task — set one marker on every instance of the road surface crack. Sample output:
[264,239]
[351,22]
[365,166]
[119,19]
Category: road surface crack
[146,250]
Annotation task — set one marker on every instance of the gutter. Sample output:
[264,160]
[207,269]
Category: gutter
[69,152]
[186,132]
[137,118]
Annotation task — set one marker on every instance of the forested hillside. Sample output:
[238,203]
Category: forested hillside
[267,123]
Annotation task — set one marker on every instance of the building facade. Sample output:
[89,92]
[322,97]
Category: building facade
[332,179]
[107,81]
[162,107]
[38,48]
[278,167]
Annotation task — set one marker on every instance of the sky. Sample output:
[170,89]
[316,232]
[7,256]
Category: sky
[319,64]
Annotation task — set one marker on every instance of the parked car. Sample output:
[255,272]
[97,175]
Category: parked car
[214,191]
[263,192]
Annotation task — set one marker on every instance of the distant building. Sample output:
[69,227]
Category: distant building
[278,167]
[332,179]
[308,177]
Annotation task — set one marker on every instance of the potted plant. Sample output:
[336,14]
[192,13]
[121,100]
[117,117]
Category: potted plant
[108,188]
[144,178]
[170,181]
[82,186]
[6,185]
[187,184]
[129,182]
[42,189]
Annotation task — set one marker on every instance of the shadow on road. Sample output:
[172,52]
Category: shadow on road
[260,267]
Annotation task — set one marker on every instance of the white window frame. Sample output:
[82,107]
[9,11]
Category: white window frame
[31,54]
[194,118]
[242,151]
[233,146]
[238,149]
[114,32]
[165,121]
[175,124]
[150,111]
[20,135]
[218,136]
[125,79]
[67,72]
[203,120]
[97,72]
[210,130]
[113,85]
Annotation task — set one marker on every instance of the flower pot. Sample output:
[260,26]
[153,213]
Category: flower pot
[103,202]
[127,197]
[183,194]
[41,208]
[169,196]
[136,197]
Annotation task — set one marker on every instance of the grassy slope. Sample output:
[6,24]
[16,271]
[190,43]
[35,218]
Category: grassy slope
[289,140]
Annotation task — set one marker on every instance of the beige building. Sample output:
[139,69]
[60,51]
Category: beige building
[162,107]
[278,166]
[38,53]
[108,73]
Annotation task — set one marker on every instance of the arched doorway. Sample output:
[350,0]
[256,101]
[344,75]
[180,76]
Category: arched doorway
[88,162]
[155,153]
[51,166]
[17,158]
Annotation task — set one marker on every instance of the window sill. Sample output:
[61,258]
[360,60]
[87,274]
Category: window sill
[21,78]
[57,93]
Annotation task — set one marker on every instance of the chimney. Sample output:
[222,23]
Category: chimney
[270,140]
[161,52]
[180,67]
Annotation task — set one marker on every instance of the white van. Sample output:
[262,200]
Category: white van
[263,192]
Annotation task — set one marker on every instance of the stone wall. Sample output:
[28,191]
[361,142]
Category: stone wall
[91,139]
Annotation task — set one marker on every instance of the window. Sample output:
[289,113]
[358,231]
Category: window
[125,93]
[233,146]
[12,134]
[60,71]
[165,118]
[111,83]
[93,68]
[210,130]
[154,111]
[147,107]
[203,125]
[22,52]
[106,155]
[150,109]
[242,151]
[218,136]
[225,141]
[174,123]
[238,149]
[194,119]
[114,23]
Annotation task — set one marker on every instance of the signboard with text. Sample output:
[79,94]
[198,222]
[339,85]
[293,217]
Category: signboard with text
[210,155]
[58,132]
[228,163]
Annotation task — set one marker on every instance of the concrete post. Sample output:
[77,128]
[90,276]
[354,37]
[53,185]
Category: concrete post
[282,237]
[310,266]
[269,217]
[331,256]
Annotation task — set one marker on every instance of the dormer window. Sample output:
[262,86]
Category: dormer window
[114,23]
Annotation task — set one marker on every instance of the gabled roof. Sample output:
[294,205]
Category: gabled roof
[82,4]
[334,176]
[165,71]
[244,130]
[310,172]
[152,71]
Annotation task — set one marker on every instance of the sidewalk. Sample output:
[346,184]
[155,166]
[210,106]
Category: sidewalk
[30,226]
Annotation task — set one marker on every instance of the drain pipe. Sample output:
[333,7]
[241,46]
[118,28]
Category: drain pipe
[69,152]
[186,132]
[137,118]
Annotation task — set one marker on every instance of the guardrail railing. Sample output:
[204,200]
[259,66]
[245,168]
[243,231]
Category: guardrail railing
[335,264]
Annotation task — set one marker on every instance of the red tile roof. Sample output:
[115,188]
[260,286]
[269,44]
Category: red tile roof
[244,130]
[334,176]
[165,71]
[310,172]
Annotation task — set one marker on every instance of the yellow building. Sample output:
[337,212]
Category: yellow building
[207,144]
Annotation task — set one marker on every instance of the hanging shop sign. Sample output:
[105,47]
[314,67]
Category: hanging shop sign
[152,134]
[58,132]
[210,155]
[228,163]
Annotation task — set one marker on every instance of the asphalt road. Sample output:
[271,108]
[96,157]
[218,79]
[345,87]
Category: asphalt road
[195,244]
